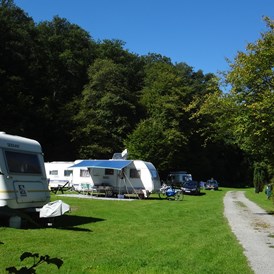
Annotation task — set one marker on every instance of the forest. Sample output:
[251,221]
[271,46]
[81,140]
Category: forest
[87,99]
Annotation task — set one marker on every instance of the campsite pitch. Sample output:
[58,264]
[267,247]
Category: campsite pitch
[145,236]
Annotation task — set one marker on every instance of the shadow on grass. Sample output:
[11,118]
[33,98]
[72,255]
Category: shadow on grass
[66,222]
[172,198]
[213,190]
[194,194]
[70,222]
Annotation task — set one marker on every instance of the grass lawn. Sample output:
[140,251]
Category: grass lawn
[261,200]
[140,236]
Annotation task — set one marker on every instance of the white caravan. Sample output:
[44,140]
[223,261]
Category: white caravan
[60,174]
[122,176]
[23,181]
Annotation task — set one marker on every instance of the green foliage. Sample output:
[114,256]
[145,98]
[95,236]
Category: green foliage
[152,141]
[260,176]
[107,110]
[252,80]
[171,95]
[252,71]
[31,269]
[17,53]
[66,51]
[244,116]
[42,68]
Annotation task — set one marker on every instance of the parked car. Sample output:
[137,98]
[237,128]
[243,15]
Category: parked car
[178,178]
[191,187]
[211,185]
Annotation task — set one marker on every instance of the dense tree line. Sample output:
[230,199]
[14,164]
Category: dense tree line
[82,99]
[245,116]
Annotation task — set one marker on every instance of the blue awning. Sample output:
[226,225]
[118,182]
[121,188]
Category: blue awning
[111,164]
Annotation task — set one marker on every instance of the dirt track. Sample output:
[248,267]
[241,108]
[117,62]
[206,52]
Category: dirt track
[254,228]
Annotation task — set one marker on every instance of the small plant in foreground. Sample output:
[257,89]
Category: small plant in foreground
[31,270]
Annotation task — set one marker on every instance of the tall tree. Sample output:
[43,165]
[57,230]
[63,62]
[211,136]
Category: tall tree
[66,51]
[252,80]
[244,116]
[162,98]
[43,68]
[168,91]
[107,111]
[18,58]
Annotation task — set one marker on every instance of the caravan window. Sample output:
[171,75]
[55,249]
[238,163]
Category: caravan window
[18,162]
[67,173]
[84,173]
[53,172]
[109,171]
[154,173]
[134,173]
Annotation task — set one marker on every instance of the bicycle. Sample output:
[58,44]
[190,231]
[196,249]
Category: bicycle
[169,192]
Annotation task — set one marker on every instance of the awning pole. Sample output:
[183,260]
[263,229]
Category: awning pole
[133,187]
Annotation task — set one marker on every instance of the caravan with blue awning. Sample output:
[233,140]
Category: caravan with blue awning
[123,176]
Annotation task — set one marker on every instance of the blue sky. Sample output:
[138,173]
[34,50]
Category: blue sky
[201,33]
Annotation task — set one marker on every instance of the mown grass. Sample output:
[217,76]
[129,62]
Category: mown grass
[141,236]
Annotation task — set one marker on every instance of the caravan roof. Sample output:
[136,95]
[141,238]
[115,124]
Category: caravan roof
[19,143]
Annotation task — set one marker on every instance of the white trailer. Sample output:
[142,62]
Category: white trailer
[122,176]
[60,174]
[23,180]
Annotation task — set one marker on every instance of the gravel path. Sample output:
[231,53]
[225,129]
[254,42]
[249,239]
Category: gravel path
[254,229]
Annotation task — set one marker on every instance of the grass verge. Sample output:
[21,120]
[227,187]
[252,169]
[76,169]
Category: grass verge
[260,199]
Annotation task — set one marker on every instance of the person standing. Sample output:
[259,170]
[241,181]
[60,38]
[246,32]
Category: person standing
[268,191]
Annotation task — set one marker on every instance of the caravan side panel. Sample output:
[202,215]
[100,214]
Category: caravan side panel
[104,177]
[82,179]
